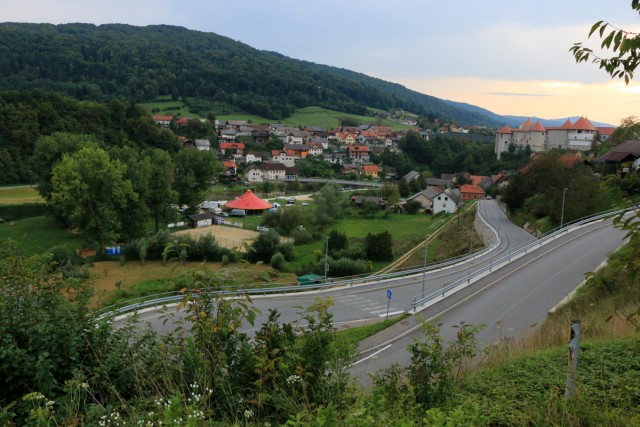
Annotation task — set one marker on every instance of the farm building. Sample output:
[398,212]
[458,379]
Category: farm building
[200,220]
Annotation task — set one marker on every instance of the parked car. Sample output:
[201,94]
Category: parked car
[305,204]
[238,212]
[292,200]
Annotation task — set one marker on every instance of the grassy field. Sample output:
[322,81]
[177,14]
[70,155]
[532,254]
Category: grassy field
[38,234]
[19,195]
[407,231]
[308,116]
[165,106]
[113,281]
[316,116]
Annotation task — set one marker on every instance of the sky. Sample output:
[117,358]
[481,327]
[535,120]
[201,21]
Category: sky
[510,57]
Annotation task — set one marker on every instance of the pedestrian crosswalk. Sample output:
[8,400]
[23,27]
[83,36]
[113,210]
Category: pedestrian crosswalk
[378,308]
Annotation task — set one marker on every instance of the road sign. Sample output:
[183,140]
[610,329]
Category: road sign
[389,293]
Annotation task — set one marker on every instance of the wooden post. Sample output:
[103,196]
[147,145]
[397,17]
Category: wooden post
[574,346]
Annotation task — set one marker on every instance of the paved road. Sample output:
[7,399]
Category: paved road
[365,302]
[520,296]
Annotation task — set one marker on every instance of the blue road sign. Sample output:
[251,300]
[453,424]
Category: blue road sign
[389,293]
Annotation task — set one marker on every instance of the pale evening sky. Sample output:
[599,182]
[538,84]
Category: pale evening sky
[510,57]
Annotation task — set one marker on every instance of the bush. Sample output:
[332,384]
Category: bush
[60,256]
[277,261]
[301,236]
[344,267]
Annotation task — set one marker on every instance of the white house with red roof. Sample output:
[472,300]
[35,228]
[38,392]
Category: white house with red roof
[233,147]
[163,120]
[578,136]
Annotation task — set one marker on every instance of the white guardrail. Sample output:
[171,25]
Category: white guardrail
[424,301]
[161,299]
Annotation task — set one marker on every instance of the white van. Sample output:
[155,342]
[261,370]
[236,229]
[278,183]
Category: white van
[238,212]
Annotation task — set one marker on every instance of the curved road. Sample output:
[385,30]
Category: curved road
[369,301]
[519,295]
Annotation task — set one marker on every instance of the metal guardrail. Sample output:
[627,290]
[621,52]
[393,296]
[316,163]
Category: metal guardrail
[156,300]
[516,253]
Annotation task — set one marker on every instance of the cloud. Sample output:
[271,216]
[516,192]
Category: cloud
[516,94]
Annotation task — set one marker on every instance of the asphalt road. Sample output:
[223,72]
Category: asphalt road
[519,296]
[361,303]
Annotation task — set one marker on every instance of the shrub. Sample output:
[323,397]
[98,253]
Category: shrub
[278,261]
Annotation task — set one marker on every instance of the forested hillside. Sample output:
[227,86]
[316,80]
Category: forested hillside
[92,62]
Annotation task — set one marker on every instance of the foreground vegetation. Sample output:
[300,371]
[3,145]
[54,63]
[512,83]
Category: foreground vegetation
[209,373]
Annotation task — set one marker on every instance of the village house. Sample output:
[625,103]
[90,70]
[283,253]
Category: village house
[252,157]
[446,201]
[202,144]
[351,168]
[358,153]
[346,138]
[372,171]
[287,158]
[335,158]
[374,200]
[269,171]
[426,197]
[228,134]
[163,121]
[300,150]
[471,192]
[232,148]
[315,148]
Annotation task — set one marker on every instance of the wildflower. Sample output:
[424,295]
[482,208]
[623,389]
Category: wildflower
[293,379]
[248,413]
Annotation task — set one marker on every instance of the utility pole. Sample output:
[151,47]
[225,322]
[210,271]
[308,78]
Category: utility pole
[326,261]
[564,193]
[424,270]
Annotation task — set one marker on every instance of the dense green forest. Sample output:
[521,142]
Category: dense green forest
[27,116]
[104,62]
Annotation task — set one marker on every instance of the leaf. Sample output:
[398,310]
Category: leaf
[595,27]
[606,43]
[602,29]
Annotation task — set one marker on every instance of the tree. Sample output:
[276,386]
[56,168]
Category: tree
[264,247]
[49,151]
[43,327]
[404,188]
[624,46]
[90,190]
[329,205]
[390,193]
[161,196]
[379,247]
[194,171]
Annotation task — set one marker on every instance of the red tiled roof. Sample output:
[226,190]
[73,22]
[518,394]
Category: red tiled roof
[477,179]
[248,201]
[371,168]
[537,127]
[566,125]
[229,164]
[232,145]
[505,129]
[605,130]
[471,189]
[583,124]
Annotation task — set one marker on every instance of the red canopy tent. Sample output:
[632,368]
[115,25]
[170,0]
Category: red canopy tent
[248,201]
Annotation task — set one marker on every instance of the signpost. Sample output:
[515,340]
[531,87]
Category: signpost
[389,295]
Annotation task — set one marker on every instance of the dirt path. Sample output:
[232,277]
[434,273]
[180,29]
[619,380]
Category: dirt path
[227,237]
